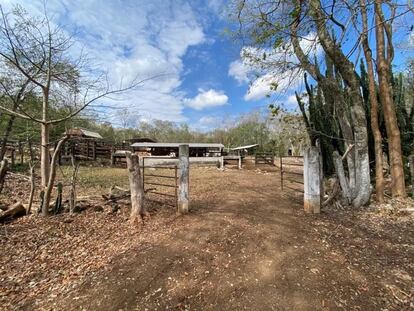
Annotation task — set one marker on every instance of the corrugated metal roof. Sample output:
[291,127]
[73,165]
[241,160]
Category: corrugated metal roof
[175,145]
[91,134]
[245,147]
[77,131]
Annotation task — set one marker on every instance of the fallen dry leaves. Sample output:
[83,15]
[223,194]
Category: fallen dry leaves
[230,245]
[45,257]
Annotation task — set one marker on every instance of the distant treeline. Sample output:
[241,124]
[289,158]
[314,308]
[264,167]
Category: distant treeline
[272,134]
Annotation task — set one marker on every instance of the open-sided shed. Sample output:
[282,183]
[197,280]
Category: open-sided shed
[171,149]
[166,153]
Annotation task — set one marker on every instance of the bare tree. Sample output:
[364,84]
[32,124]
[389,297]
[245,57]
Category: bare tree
[41,52]
[32,166]
[13,89]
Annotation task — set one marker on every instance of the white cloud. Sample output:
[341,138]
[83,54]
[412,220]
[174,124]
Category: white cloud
[411,39]
[264,85]
[135,39]
[291,101]
[239,71]
[207,99]
[260,88]
[280,68]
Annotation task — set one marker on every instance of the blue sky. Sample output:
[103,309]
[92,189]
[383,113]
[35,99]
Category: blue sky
[205,81]
[183,39]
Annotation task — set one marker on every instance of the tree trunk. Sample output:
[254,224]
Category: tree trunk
[44,154]
[32,188]
[31,152]
[6,136]
[51,179]
[379,176]
[346,69]
[343,181]
[72,198]
[333,93]
[137,190]
[386,98]
[32,175]
[3,171]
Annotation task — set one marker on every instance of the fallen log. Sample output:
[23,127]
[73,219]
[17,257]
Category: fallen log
[116,193]
[14,211]
[115,197]
[19,176]
[120,194]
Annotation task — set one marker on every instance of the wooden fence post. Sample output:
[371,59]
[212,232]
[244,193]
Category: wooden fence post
[184,170]
[312,181]
[137,190]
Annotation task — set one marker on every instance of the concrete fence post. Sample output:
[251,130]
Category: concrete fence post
[183,177]
[312,181]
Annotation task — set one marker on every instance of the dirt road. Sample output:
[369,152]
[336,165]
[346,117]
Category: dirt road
[245,246]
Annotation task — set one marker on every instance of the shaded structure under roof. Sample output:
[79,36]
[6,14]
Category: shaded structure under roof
[196,149]
[175,145]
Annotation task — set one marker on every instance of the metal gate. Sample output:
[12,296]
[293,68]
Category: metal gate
[291,174]
[160,181]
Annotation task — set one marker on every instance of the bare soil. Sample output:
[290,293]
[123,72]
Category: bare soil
[244,245]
